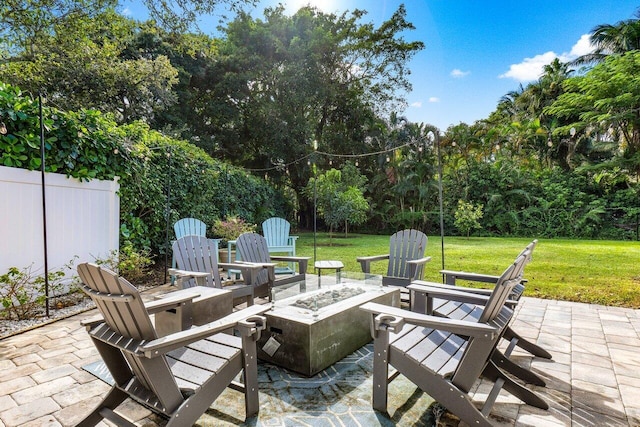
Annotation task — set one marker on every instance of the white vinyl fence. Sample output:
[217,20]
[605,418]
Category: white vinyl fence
[83,219]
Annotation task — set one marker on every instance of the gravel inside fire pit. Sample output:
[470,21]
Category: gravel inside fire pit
[327,298]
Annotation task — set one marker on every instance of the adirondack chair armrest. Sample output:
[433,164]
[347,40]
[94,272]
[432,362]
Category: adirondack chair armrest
[270,266]
[479,291]
[92,321]
[303,261]
[170,301]
[244,317]
[182,275]
[460,327]
[447,292]
[248,271]
[365,261]
[415,264]
[451,276]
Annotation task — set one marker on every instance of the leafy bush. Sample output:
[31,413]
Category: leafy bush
[131,264]
[467,217]
[161,179]
[231,228]
[84,145]
[22,292]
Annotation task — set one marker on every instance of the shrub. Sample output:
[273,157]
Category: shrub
[467,217]
[232,228]
[22,292]
[131,264]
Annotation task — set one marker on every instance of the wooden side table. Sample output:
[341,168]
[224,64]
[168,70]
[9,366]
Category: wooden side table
[328,265]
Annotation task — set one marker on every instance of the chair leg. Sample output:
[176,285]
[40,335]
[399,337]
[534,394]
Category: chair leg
[380,370]
[250,373]
[493,373]
[523,343]
[111,401]
[513,368]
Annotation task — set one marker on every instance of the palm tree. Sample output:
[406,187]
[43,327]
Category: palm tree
[612,39]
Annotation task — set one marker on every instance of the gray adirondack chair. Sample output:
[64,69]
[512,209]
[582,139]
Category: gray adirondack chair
[406,258]
[197,264]
[456,302]
[451,278]
[445,357]
[446,304]
[253,250]
[178,376]
[188,227]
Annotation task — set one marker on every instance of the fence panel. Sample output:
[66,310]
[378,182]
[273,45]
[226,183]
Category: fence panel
[83,219]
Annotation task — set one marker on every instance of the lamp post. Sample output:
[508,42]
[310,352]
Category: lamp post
[44,205]
[435,137]
[315,201]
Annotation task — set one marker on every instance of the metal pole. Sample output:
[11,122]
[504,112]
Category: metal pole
[167,211]
[440,197]
[44,206]
[315,202]
[315,211]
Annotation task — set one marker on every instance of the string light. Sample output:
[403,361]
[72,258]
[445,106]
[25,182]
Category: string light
[330,155]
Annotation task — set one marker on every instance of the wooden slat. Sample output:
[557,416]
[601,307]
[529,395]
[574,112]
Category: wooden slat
[405,245]
[189,226]
[198,254]
[276,232]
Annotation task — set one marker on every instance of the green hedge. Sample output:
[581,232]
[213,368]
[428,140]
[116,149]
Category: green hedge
[151,166]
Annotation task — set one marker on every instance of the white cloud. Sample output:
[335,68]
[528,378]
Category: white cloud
[434,99]
[582,47]
[532,68]
[417,104]
[126,11]
[459,73]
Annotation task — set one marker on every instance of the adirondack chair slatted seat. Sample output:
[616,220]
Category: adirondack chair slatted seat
[406,259]
[177,376]
[197,264]
[253,251]
[445,357]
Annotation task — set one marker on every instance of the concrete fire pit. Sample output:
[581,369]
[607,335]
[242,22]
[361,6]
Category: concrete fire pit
[307,340]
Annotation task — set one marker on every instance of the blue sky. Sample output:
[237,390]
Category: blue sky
[478,50]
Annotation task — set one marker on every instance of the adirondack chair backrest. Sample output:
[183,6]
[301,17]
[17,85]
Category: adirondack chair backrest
[197,253]
[477,352]
[253,247]
[405,245]
[509,278]
[189,226]
[276,231]
[122,307]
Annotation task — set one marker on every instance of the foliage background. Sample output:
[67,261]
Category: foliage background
[150,166]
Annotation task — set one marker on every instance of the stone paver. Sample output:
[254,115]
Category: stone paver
[593,379]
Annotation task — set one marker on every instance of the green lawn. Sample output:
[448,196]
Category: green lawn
[592,271]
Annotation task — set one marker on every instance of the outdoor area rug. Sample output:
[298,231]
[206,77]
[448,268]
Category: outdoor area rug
[338,396]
